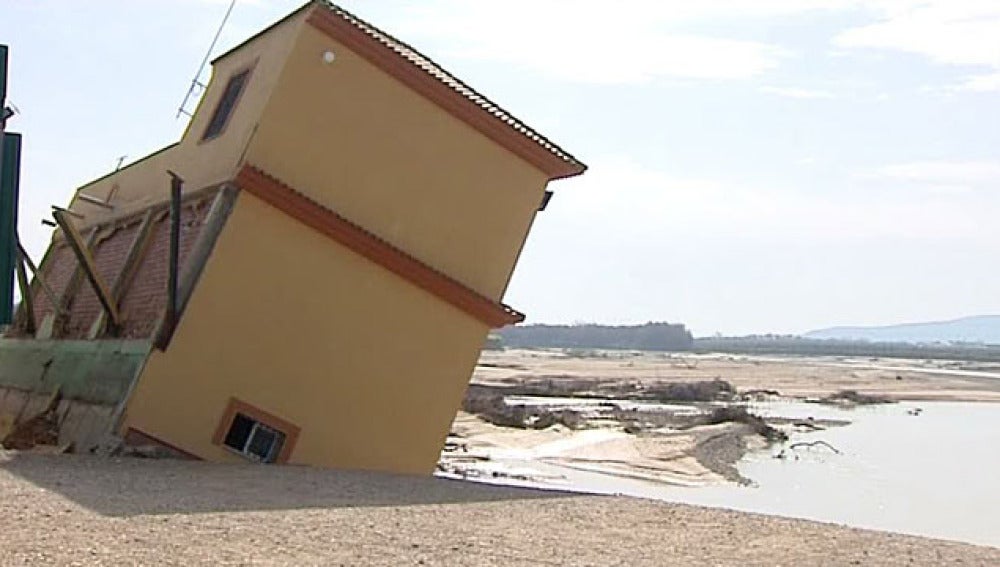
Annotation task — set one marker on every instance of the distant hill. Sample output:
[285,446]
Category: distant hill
[651,336]
[984,329]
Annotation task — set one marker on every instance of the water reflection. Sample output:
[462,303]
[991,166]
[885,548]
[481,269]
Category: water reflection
[933,474]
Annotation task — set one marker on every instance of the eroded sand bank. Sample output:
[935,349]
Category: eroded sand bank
[656,441]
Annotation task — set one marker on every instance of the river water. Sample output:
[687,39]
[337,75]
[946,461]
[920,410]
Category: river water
[935,474]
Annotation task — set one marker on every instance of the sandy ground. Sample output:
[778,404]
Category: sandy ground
[664,458]
[76,510]
[791,376]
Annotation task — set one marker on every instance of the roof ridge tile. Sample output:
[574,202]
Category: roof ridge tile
[429,66]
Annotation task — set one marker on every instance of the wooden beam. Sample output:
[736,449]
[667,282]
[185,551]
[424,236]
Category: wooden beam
[82,252]
[176,187]
[27,302]
[215,220]
[124,215]
[69,212]
[136,252]
[56,307]
[61,312]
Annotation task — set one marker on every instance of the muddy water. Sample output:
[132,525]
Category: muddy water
[935,474]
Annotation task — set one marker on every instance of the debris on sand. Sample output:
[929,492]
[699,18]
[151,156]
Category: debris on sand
[42,429]
[698,391]
[812,444]
[808,425]
[662,391]
[737,414]
[494,409]
[853,398]
[789,452]
[758,395]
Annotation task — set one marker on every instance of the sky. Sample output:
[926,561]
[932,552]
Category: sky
[765,166]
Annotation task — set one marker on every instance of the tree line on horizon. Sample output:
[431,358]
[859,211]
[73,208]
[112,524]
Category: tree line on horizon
[675,337]
[648,336]
[804,346]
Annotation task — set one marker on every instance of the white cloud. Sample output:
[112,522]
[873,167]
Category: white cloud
[639,203]
[980,83]
[962,33]
[954,32]
[944,174]
[593,42]
[794,92]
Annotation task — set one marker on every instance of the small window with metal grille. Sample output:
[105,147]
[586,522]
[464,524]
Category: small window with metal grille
[253,439]
[234,88]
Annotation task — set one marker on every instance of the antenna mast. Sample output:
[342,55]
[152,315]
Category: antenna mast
[195,83]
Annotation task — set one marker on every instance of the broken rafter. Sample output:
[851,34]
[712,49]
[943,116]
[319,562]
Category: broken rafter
[82,252]
[61,311]
[56,306]
[136,251]
[215,220]
[198,256]
[95,201]
[69,212]
[169,323]
[26,300]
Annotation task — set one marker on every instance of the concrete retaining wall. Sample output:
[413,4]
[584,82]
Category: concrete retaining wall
[97,372]
[93,377]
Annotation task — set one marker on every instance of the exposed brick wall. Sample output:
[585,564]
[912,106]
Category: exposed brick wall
[109,257]
[57,269]
[144,301]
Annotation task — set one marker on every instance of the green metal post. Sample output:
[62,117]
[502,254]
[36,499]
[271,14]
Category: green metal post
[9,180]
[3,99]
[3,76]
[10,173]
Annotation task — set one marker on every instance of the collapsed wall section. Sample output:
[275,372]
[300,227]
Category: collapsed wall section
[142,286]
[65,369]
[89,379]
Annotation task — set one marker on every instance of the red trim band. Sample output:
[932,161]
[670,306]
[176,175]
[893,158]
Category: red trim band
[359,240]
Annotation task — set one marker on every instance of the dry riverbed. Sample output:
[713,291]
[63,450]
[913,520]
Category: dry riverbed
[534,416]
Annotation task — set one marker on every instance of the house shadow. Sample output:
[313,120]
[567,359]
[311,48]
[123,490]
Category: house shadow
[133,486]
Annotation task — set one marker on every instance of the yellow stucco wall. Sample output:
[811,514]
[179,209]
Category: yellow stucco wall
[202,163]
[370,367]
[365,145]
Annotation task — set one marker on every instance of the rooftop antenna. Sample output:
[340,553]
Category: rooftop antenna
[195,83]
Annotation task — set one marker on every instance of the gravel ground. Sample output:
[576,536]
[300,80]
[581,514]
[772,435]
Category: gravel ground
[89,511]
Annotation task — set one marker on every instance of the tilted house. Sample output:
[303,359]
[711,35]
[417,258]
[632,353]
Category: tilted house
[351,216]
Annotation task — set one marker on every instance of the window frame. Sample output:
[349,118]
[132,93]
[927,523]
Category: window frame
[249,70]
[256,427]
[269,420]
